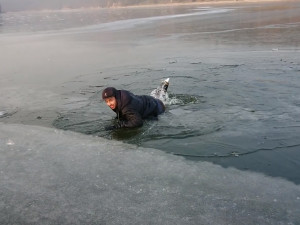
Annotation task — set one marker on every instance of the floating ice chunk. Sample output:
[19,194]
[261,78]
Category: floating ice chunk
[6,114]
[3,114]
[10,142]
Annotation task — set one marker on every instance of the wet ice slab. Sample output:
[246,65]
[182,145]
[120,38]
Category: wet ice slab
[51,176]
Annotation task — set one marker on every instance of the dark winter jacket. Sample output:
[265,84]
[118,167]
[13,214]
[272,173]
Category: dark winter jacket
[132,109]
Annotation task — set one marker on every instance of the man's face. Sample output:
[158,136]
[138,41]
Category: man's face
[111,102]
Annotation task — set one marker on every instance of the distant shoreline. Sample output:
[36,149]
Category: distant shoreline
[201,3]
[204,2]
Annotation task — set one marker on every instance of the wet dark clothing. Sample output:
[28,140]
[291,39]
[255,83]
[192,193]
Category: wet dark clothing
[132,109]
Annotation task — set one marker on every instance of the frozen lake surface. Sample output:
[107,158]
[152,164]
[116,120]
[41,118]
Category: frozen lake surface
[53,177]
[233,115]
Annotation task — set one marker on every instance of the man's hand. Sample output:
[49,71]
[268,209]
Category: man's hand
[113,127]
[110,128]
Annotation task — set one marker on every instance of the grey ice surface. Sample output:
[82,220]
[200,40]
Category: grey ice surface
[50,176]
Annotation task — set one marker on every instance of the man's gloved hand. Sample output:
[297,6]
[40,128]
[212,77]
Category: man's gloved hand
[113,127]
[110,127]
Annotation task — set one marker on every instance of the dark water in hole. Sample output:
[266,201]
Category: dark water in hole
[229,114]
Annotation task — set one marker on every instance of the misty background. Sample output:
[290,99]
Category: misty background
[21,5]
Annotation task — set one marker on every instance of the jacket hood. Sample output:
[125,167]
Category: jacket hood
[123,98]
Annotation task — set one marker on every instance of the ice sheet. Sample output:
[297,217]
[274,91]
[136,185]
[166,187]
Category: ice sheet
[50,176]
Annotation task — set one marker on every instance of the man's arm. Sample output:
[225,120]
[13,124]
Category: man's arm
[131,119]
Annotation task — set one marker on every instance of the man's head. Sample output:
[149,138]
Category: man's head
[109,96]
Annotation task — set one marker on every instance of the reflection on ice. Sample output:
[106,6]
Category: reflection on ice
[126,24]
[56,177]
